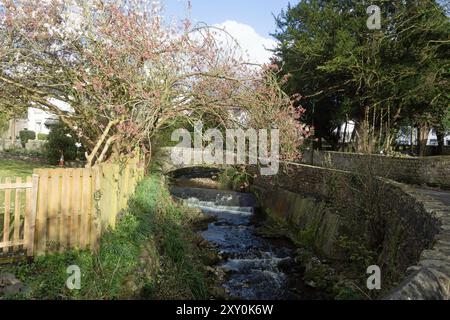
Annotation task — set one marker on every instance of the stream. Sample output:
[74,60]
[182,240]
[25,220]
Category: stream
[253,264]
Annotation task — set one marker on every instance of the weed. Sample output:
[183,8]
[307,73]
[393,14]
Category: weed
[235,178]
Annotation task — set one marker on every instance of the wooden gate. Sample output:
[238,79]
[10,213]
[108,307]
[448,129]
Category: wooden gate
[18,201]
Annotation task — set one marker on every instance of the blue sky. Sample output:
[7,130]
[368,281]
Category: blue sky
[250,22]
[255,13]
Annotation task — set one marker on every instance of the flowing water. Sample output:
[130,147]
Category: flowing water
[252,263]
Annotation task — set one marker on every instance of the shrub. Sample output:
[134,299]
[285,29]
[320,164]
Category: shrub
[26,135]
[61,140]
[42,136]
[235,178]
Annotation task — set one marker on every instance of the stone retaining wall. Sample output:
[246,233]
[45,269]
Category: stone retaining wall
[433,171]
[23,157]
[31,145]
[417,228]
[305,213]
[35,145]
[6,144]
[429,279]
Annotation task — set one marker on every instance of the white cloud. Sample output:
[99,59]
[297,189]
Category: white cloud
[250,41]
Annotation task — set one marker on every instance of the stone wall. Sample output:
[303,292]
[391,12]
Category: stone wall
[433,150]
[6,144]
[429,150]
[429,278]
[432,171]
[23,157]
[416,243]
[306,214]
[185,158]
[31,145]
[35,145]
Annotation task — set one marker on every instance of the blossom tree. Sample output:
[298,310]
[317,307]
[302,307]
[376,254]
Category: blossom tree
[126,73]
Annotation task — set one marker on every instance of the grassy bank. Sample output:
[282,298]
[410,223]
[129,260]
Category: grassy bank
[17,168]
[149,255]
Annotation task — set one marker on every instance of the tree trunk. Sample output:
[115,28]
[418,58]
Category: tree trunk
[345,135]
[424,131]
[337,140]
[356,137]
[388,142]
[13,130]
[440,138]
[353,137]
[319,143]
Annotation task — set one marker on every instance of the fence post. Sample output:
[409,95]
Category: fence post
[32,216]
[17,201]
[96,218]
[7,214]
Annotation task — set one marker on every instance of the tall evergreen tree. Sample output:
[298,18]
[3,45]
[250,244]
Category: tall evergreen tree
[381,79]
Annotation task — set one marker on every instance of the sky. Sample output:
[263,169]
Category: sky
[249,21]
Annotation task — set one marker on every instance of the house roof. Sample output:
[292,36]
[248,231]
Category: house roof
[51,122]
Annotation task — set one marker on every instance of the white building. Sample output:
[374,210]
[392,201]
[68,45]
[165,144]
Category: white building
[408,134]
[404,137]
[35,121]
[432,139]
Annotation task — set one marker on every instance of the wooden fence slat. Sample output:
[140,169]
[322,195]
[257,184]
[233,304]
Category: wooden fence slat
[30,214]
[106,199]
[4,186]
[42,212]
[85,213]
[6,216]
[65,208]
[26,223]
[115,192]
[8,244]
[95,219]
[54,200]
[127,186]
[123,188]
[76,206]
[17,205]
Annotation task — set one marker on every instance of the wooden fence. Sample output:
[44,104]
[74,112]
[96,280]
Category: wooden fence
[67,208]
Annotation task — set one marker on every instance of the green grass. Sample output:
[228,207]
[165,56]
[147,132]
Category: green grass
[149,255]
[13,169]
[17,168]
